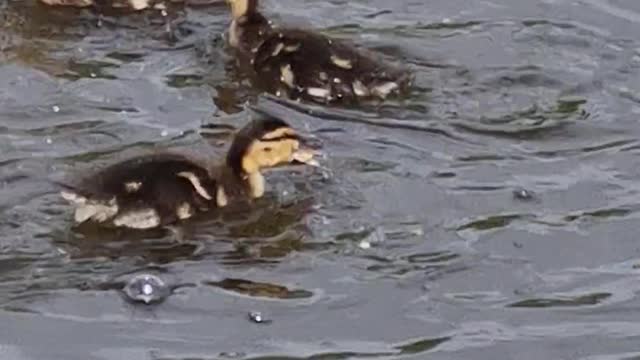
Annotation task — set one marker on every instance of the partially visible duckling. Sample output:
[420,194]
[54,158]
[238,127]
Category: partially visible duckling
[296,63]
[135,5]
[157,190]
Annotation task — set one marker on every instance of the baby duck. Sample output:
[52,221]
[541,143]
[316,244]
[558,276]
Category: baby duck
[157,190]
[131,5]
[296,63]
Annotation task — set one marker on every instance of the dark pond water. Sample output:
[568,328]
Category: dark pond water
[491,214]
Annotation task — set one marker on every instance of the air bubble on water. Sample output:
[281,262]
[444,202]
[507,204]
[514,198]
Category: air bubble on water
[55,108]
[364,244]
[256,317]
[375,237]
[48,140]
[164,133]
[286,192]
[147,289]
[523,194]
[232,355]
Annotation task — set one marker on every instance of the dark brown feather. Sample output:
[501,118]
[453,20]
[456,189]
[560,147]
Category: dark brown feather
[160,186]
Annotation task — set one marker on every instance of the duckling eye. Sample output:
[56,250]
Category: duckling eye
[267,149]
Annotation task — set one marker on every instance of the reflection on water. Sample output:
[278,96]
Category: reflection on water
[489,213]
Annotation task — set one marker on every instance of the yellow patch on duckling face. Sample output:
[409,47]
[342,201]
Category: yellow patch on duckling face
[266,153]
[277,147]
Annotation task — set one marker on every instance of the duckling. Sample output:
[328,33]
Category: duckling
[300,64]
[135,5]
[157,190]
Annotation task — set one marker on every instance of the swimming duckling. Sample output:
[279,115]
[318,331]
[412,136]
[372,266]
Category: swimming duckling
[296,63]
[156,190]
[134,5]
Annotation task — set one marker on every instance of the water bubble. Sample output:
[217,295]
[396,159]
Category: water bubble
[164,133]
[48,140]
[524,194]
[232,355]
[376,237]
[93,75]
[364,244]
[256,317]
[147,289]
[55,108]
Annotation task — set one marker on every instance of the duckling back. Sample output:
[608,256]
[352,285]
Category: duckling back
[144,192]
[300,64]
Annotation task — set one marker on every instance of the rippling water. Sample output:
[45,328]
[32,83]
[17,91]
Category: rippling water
[411,244]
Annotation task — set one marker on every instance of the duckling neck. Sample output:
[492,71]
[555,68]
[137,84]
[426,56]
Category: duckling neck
[247,28]
[256,183]
[243,8]
[235,182]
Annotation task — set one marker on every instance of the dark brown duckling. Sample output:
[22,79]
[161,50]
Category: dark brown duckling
[296,63]
[157,190]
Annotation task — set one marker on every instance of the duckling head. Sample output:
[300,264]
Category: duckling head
[240,8]
[263,144]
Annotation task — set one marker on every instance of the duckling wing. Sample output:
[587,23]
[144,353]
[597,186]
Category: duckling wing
[143,192]
[305,64]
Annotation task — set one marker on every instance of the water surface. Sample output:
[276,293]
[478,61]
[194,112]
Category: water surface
[410,245]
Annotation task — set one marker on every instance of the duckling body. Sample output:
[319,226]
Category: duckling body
[134,5]
[160,189]
[297,63]
[145,192]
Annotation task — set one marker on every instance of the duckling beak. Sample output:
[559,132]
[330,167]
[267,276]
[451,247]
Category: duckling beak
[309,147]
[305,156]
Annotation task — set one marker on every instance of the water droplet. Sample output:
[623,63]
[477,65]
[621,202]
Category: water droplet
[93,75]
[48,140]
[164,133]
[147,289]
[55,108]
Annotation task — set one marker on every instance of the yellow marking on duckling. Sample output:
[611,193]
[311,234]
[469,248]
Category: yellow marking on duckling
[76,3]
[256,185]
[269,153]
[341,63]
[132,186]
[138,219]
[292,48]
[318,92]
[184,211]
[139,4]
[384,89]
[73,198]
[286,75]
[277,50]
[239,8]
[197,185]
[95,210]
[360,89]
[278,133]
[221,197]
[234,36]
